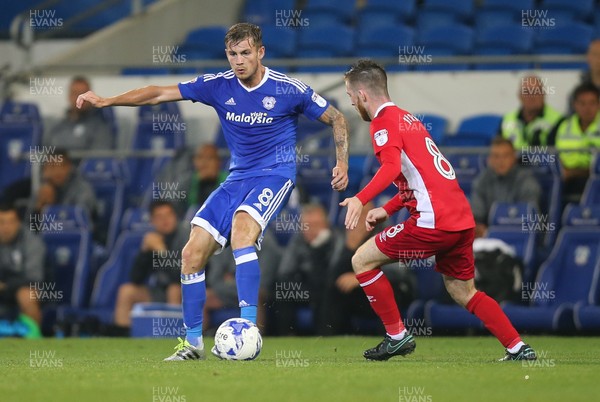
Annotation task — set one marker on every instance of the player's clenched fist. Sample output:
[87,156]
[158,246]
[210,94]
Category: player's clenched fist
[90,97]
[375,216]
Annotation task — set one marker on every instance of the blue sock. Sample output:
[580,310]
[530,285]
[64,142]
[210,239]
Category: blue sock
[193,292]
[247,278]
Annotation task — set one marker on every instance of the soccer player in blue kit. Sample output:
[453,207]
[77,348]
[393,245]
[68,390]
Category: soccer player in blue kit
[258,109]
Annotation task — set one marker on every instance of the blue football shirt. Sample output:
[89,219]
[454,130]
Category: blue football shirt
[259,123]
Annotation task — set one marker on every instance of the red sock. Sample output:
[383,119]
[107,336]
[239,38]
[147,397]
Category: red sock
[489,312]
[381,296]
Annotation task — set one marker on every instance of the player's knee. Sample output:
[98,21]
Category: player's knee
[358,264]
[192,259]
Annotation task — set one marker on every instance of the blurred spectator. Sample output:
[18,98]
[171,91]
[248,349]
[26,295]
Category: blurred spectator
[198,183]
[305,269]
[155,275]
[533,121]
[316,271]
[592,75]
[21,265]
[575,136]
[504,181]
[221,291]
[80,129]
[62,184]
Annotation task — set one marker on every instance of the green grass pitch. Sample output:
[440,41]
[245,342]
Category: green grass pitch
[298,369]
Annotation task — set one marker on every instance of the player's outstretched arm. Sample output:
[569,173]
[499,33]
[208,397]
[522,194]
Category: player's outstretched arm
[150,95]
[336,119]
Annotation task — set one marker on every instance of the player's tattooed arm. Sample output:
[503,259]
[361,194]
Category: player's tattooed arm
[337,121]
[150,95]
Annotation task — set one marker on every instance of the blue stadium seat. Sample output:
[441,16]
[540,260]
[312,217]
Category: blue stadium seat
[428,20]
[17,139]
[486,19]
[522,241]
[456,38]
[205,43]
[436,125]
[572,38]
[564,279]
[150,112]
[430,286]
[113,274]
[136,220]
[447,40]
[511,38]
[381,41]
[265,12]
[20,112]
[401,10]
[325,42]
[510,214]
[586,313]
[107,177]
[484,125]
[68,255]
[70,216]
[314,178]
[461,9]
[580,9]
[279,42]
[515,7]
[591,194]
[341,10]
[581,215]
[467,167]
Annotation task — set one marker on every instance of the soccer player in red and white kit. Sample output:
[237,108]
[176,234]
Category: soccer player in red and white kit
[441,223]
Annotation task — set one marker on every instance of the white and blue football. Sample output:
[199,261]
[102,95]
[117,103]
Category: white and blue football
[237,339]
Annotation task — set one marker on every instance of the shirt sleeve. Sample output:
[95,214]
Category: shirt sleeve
[312,104]
[199,89]
[387,173]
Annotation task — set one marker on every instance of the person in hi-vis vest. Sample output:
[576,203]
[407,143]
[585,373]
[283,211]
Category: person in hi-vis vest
[575,137]
[532,122]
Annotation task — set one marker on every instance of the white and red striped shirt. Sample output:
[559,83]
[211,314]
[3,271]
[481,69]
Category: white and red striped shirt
[425,179]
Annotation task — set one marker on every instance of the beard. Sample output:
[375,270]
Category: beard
[363,112]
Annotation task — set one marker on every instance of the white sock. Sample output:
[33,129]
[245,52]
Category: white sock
[399,336]
[516,348]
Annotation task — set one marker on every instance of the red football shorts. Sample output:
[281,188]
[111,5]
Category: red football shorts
[453,251]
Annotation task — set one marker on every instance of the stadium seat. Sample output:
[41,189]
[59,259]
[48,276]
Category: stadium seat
[510,38]
[156,320]
[107,177]
[510,214]
[457,38]
[428,20]
[591,194]
[204,43]
[279,42]
[383,41]
[70,216]
[68,252]
[572,38]
[341,10]
[325,42]
[136,220]
[20,112]
[150,112]
[580,9]
[461,9]
[581,215]
[436,125]
[522,241]
[16,140]
[400,10]
[113,274]
[515,7]
[264,12]
[586,313]
[564,279]
[314,178]
[484,125]
[467,167]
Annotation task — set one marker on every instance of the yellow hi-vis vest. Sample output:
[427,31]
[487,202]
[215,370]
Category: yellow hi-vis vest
[521,134]
[570,136]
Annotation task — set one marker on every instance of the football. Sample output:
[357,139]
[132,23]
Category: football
[237,339]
